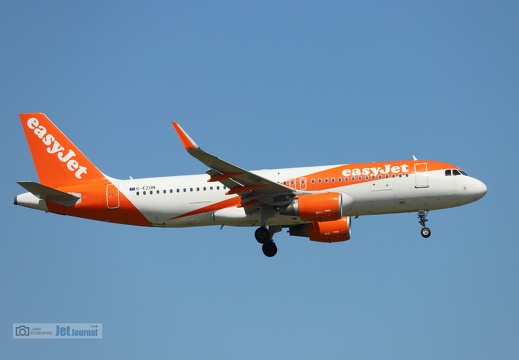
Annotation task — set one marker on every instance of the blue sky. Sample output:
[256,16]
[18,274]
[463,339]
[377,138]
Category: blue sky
[265,84]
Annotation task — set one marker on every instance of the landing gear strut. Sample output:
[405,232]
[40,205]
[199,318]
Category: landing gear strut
[422,219]
[264,237]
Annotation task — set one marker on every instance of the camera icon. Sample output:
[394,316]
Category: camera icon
[22,330]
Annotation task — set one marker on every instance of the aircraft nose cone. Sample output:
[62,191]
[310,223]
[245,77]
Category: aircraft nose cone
[480,189]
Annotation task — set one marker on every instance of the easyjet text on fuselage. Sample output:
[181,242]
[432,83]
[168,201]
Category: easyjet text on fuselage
[374,171]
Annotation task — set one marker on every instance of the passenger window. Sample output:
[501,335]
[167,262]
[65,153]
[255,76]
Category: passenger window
[144,193]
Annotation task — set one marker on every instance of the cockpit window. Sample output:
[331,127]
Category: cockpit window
[455,172]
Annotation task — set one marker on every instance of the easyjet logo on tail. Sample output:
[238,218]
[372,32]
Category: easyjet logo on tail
[54,147]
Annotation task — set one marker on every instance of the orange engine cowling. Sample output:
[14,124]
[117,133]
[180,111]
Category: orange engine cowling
[329,231]
[316,207]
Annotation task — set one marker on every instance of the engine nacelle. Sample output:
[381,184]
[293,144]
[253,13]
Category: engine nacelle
[329,231]
[316,207]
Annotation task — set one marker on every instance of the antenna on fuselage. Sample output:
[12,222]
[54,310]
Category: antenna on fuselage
[414,158]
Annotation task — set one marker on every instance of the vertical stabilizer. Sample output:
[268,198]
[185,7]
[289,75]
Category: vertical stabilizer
[57,160]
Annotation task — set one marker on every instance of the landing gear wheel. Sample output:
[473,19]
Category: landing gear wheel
[262,235]
[269,249]
[422,219]
[426,232]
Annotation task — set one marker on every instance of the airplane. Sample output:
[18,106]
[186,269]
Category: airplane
[315,202]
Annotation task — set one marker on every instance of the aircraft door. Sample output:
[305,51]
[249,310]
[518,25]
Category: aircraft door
[302,183]
[112,196]
[421,176]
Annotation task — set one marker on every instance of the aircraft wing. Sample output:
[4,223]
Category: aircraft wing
[238,180]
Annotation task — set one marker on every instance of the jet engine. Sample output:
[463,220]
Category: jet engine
[319,207]
[329,231]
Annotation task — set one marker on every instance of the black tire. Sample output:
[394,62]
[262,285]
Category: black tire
[262,235]
[426,232]
[269,249]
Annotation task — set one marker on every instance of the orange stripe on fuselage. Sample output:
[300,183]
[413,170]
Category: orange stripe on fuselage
[93,205]
[351,174]
[234,201]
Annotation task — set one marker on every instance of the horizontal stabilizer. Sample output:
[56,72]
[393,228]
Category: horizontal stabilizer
[47,193]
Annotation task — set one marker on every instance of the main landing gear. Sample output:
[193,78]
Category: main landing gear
[264,237]
[422,219]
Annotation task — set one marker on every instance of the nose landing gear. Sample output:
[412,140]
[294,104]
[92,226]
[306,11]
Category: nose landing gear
[422,219]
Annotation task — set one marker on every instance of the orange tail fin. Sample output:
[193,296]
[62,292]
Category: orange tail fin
[57,160]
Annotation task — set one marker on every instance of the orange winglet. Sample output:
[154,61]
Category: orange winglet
[242,189]
[223,177]
[188,143]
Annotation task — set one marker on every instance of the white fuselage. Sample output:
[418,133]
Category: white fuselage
[168,201]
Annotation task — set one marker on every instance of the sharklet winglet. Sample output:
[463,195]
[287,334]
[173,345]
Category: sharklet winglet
[188,143]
